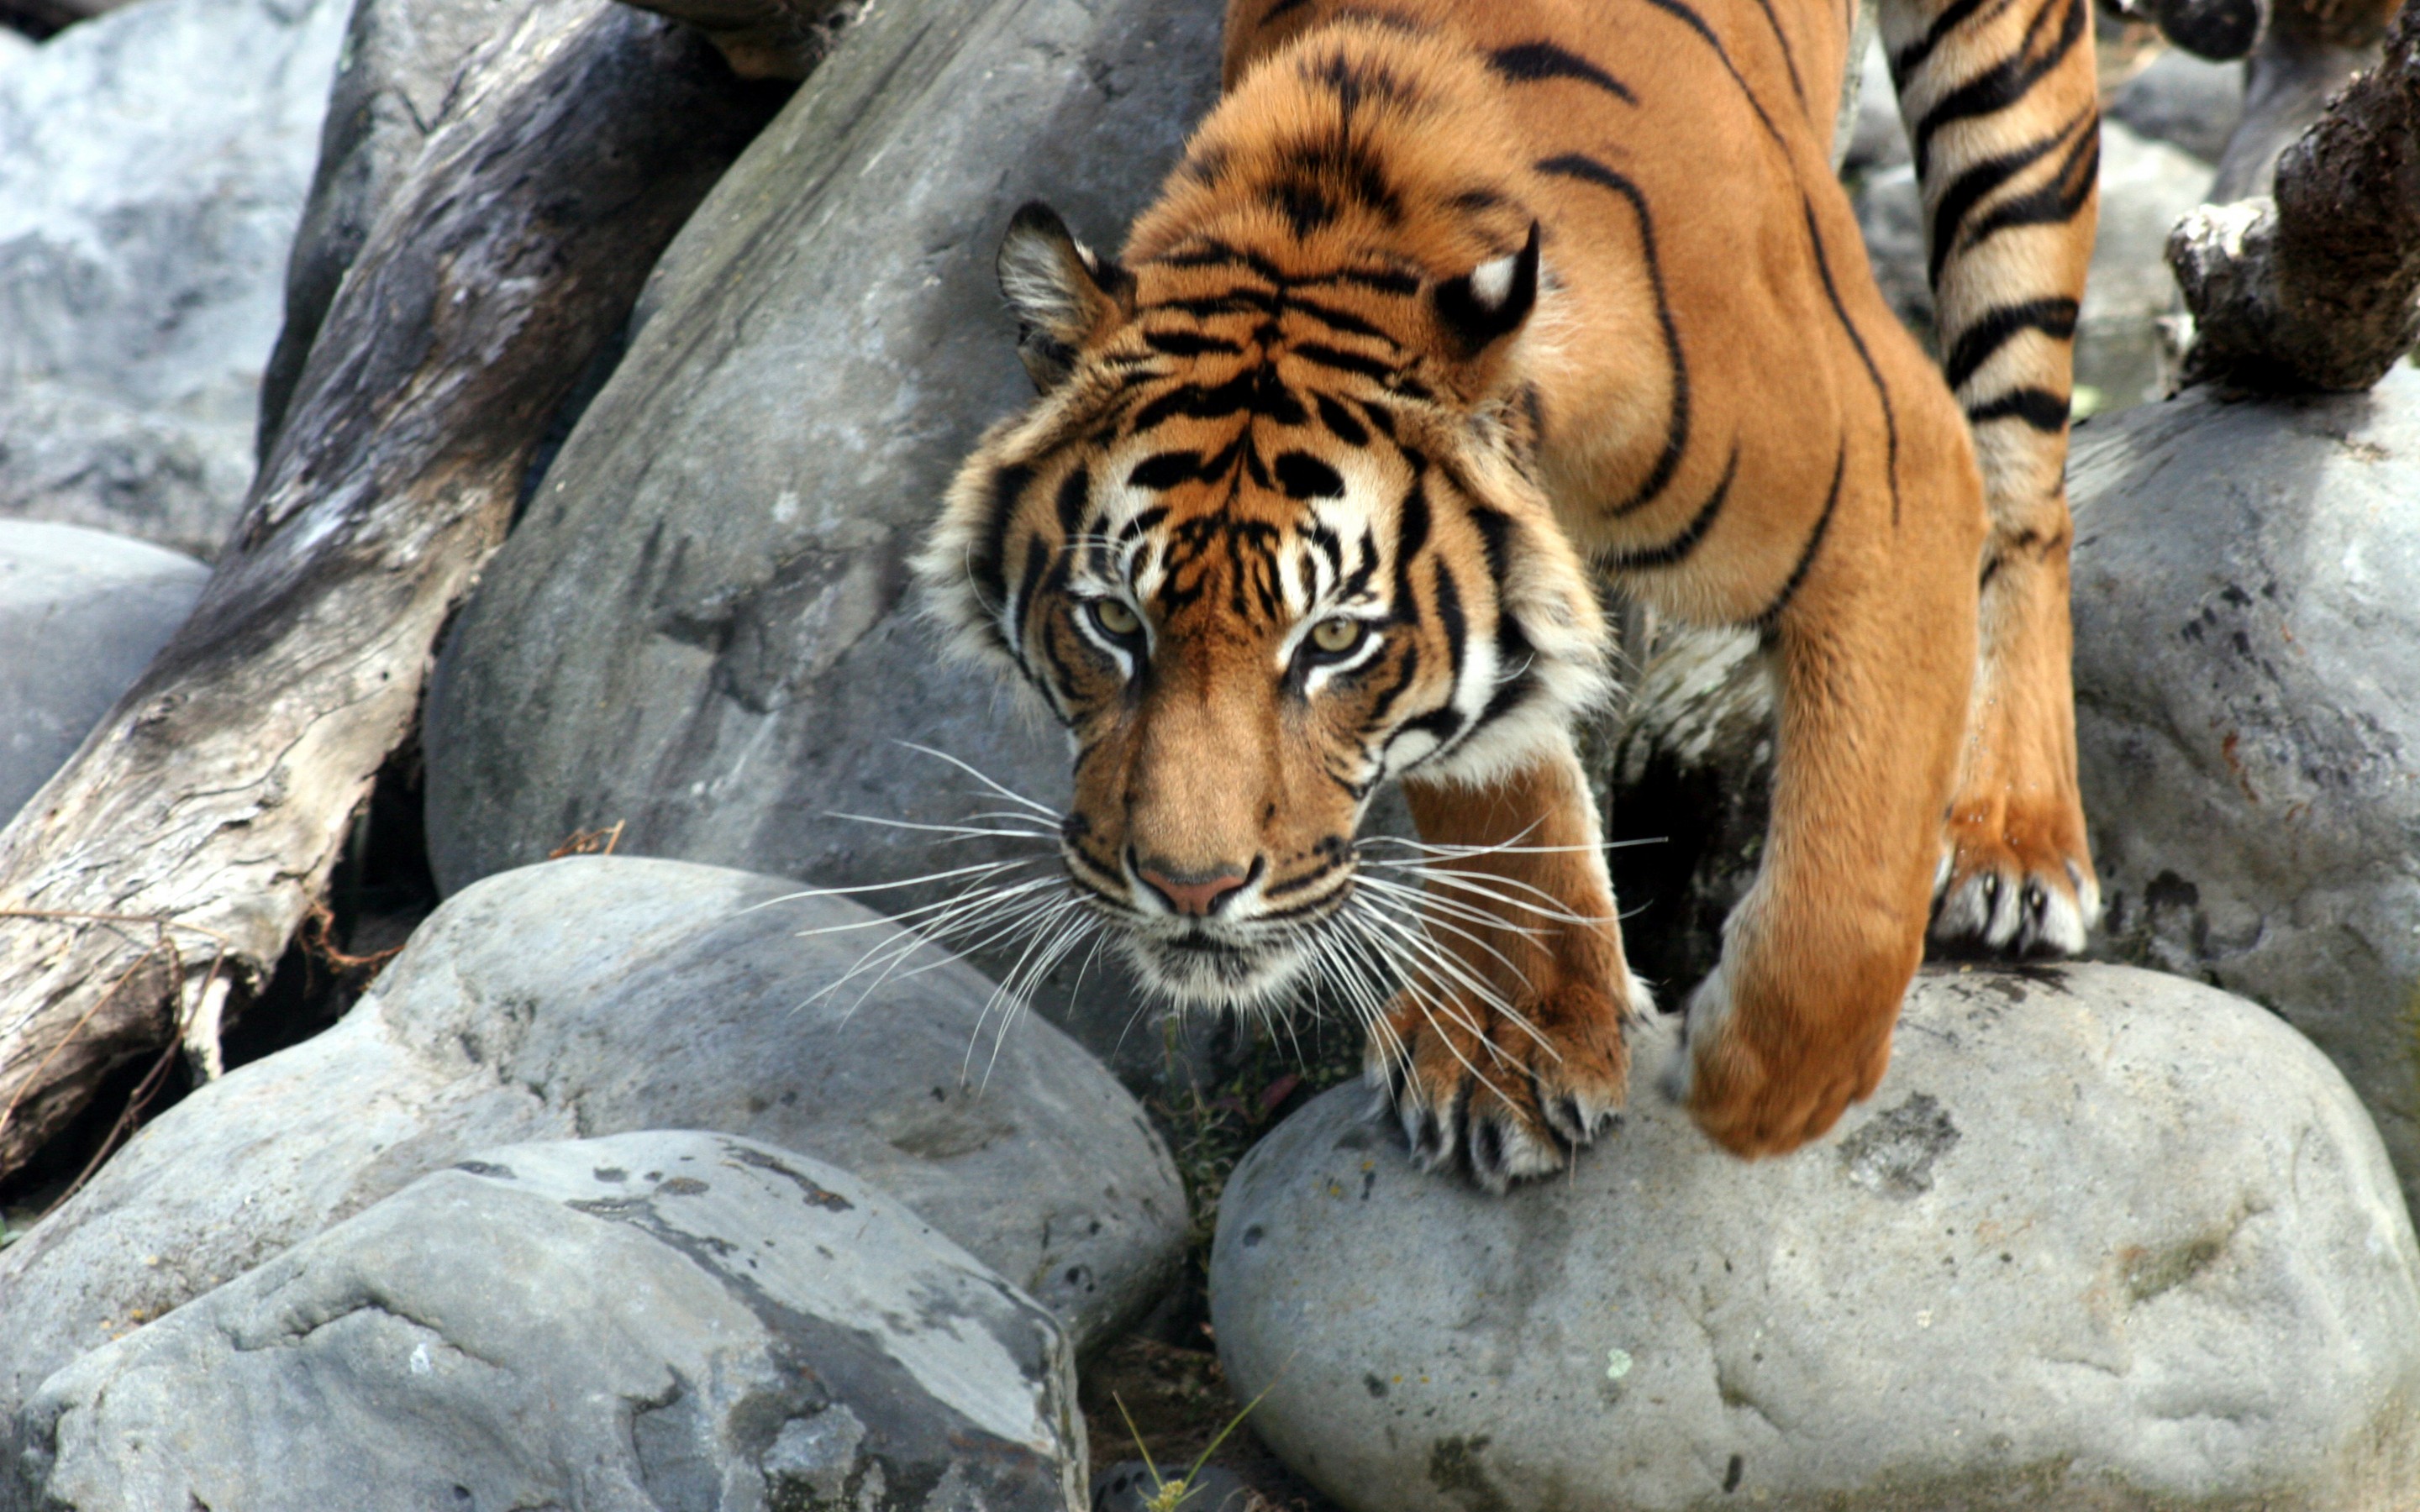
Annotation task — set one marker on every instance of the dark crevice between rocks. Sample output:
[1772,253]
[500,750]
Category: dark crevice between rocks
[123,1104]
[591,382]
[379,891]
[1684,845]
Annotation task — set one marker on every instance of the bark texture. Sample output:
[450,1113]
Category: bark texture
[41,18]
[2314,287]
[154,881]
[764,38]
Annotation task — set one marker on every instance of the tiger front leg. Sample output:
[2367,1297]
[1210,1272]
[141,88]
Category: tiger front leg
[2016,876]
[1874,656]
[1504,1050]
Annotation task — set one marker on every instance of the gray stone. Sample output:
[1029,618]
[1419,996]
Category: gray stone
[1877,137]
[2248,713]
[653,1320]
[152,164]
[700,627]
[81,614]
[2121,353]
[1891,214]
[2104,1238]
[2185,101]
[593,996]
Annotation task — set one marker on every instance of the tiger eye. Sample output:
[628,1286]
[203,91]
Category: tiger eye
[1336,636]
[1116,617]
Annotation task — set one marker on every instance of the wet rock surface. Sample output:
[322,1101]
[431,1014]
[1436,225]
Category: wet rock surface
[2104,1238]
[656,1319]
[593,996]
[81,614]
[153,163]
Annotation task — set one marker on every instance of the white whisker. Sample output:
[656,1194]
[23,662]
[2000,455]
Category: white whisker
[954,831]
[986,779]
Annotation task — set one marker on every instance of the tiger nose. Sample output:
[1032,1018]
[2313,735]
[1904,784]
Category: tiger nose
[1195,893]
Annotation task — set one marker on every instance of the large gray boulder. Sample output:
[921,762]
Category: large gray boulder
[2247,670]
[152,165]
[593,996]
[701,628]
[81,614]
[653,1320]
[2103,1240]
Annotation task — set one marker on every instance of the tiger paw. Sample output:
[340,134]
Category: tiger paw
[2016,878]
[1508,1095]
[1766,1082]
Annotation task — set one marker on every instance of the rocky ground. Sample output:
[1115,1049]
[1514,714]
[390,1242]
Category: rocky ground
[644,1174]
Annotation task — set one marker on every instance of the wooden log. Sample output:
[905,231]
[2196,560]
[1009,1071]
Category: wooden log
[2307,51]
[765,38]
[43,19]
[154,881]
[2317,286]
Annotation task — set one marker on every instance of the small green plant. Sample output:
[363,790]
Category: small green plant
[1169,1495]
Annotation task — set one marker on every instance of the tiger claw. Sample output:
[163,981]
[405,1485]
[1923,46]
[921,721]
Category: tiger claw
[2002,899]
[1503,1101]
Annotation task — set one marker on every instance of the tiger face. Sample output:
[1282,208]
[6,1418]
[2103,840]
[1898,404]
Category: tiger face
[1270,537]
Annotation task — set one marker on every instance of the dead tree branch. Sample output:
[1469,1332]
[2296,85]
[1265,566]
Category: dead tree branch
[215,796]
[2314,287]
[764,38]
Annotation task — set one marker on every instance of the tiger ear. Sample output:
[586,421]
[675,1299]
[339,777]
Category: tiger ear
[1485,306]
[1063,293]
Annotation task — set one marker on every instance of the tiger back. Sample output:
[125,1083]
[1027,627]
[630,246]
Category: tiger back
[1448,306]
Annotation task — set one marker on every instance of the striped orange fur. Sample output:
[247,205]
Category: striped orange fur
[1450,305]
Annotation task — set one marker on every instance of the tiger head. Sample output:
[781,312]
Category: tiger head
[1269,537]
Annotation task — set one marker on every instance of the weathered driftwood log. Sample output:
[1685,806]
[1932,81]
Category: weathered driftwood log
[764,38]
[205,811]
[2314,287]
[2307,51]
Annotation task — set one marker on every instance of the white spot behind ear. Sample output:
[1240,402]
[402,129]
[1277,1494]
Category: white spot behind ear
[1491,282]
[1035,277]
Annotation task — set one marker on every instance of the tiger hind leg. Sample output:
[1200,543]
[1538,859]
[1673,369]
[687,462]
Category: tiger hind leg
[2001,110]
[1505,1050]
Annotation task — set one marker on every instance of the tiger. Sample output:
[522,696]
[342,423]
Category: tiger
[1452,311]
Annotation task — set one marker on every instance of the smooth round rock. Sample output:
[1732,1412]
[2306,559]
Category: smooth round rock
[665,1320]
[2104,1238]
[81,615]
[597,995]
